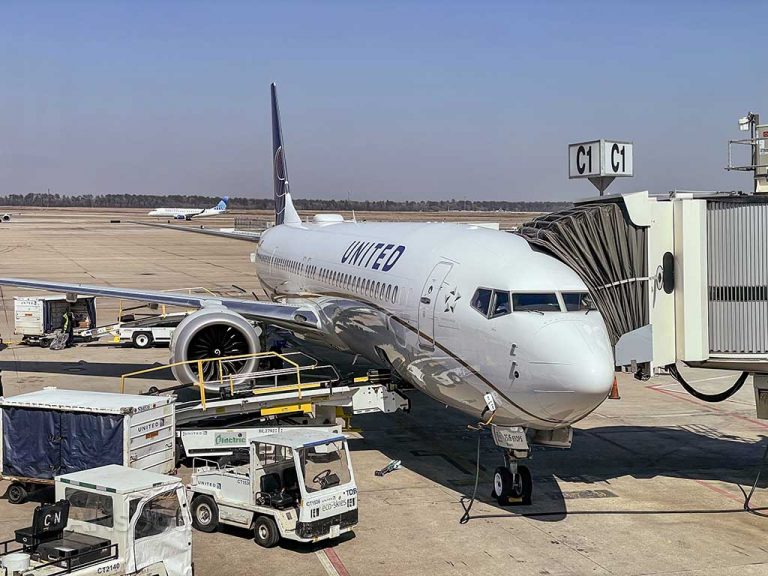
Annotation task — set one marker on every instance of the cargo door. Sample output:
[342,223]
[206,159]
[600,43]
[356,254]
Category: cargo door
[90,440]
[31,443]
[428,302]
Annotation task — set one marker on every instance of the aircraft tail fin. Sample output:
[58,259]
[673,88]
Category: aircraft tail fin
[222,205]
[285,213]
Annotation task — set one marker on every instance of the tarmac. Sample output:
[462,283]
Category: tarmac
[650,486]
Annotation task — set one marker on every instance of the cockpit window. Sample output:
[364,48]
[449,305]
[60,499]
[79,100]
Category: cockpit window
[535,302]
[481,301]
[578,301]
[500,304]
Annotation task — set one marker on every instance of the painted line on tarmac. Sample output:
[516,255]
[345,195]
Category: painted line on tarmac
[687,398]
[720,491]
[331,562]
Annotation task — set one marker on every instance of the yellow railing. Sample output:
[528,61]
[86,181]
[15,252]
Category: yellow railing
[219,362]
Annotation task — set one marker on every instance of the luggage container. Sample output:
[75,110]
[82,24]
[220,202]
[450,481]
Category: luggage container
[36,318]
[51,432]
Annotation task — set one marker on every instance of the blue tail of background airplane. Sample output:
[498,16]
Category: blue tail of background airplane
[222,205]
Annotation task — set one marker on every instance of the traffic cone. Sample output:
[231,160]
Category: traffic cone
[614,395]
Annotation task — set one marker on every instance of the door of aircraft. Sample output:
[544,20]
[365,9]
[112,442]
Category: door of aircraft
[428,302]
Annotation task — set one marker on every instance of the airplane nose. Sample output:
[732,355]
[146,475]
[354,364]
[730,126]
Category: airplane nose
[572,367]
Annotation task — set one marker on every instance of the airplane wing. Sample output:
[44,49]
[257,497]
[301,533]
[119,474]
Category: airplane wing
[299,318]
[245,235]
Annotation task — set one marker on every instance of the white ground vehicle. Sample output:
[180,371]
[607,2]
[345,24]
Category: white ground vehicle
[299,485]
[146,332]
[110,520]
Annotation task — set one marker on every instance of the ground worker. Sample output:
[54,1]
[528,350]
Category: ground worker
[69,326]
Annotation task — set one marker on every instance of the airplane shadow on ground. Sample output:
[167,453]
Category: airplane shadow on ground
[434,442]
[84,368]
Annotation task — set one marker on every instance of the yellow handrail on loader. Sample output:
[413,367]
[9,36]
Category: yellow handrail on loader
[219,361]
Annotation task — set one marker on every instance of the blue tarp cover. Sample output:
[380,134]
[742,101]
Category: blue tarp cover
[44,443]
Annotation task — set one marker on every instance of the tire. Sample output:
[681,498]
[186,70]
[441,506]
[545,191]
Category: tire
[510,493]
[527,485]
[265,532]
[205,513]
[502,485]
[142,340]
[17,493]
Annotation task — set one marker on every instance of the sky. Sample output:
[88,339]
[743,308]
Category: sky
[380,100]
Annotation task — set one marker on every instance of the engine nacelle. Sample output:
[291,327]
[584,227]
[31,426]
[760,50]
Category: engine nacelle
[213,332]
[5,217]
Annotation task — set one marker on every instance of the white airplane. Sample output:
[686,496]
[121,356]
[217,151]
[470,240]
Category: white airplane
[473,317]
[189,213]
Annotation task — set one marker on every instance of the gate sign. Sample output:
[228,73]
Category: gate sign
[600,158]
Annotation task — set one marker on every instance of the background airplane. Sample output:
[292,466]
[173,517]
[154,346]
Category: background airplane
[189,213]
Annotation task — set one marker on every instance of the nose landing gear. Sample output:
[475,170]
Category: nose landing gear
[512,483]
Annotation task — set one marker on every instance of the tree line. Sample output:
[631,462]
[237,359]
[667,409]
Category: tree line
[194,201]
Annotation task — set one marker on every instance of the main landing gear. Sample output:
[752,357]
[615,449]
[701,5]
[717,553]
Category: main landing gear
[512,483]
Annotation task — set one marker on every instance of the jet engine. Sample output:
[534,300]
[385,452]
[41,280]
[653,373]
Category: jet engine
[5,217]
[212,333]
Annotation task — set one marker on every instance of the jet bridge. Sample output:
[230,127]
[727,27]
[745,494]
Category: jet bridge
[682,277]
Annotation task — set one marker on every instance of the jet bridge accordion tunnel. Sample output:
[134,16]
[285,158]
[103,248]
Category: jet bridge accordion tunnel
[678,278]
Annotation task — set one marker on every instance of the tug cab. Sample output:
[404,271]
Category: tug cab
[298,485]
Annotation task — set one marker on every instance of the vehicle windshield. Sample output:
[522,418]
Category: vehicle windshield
[324,466]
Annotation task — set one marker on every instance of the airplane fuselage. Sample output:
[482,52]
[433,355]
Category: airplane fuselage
[458,311]
[185,213]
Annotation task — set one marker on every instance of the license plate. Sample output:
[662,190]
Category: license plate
[335,531]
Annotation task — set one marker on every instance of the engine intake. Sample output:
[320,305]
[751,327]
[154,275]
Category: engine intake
[209,334]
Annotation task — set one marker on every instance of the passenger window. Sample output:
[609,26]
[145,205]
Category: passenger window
[394,295]
[160,515]
[578,302]
[388,295]
[500,304]
[535,302]
[481,301]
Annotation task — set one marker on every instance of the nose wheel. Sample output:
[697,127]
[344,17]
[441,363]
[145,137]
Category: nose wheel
[512,483]
[513,488]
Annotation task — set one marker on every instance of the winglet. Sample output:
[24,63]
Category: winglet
[285,213]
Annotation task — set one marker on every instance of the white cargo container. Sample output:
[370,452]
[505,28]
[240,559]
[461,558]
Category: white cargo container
[36,318]
[51,432]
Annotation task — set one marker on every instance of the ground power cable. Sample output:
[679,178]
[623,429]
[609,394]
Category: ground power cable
[712,398]
[463,500]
